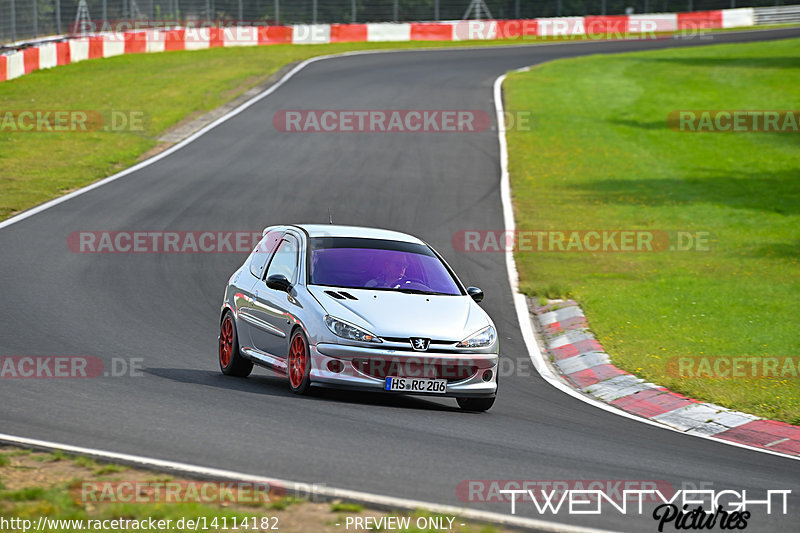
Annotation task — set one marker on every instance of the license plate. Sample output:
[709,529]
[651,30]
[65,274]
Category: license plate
[438,386]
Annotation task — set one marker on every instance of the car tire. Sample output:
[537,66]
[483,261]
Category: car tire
[475,404]
[478,404]
[298,364]
[231,361]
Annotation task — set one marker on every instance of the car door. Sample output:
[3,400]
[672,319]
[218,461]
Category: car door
[272,308]
[248,284]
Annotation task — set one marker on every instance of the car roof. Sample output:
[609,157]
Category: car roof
[334,230]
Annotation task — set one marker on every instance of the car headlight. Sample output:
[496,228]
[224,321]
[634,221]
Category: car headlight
[482,339]
[346,330]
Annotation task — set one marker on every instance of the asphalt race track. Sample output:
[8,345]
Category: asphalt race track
[244,175]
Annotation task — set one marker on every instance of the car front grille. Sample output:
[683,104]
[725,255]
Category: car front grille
[382,368]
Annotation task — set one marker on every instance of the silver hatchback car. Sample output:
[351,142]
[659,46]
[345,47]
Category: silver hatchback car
[358,308]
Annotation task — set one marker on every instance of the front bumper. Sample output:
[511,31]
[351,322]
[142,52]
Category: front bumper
[358,363]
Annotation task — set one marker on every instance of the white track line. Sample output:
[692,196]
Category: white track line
[325,492]
[521,305]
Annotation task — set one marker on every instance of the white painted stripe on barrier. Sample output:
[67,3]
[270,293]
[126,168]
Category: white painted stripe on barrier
[48,55]
[15,66]
[736,18]
[78,50]
[386,31]
[560,26]
[572,336]
[618,387]
[113,44]
[311,34]
[651,23]
[244,36]
[155,41]
[471,30]
[570,365]
[197,38]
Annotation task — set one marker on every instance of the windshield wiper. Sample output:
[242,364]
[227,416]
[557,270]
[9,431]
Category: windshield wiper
[419,291]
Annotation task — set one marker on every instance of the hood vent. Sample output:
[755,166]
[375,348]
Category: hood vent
[335,295]
[341,295]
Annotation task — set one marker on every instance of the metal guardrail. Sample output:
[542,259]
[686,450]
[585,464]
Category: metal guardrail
[776,15]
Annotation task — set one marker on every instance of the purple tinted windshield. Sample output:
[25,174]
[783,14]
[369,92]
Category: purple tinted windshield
[378,268]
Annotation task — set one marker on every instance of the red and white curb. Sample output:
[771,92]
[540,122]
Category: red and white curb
[581,361]
[44,55]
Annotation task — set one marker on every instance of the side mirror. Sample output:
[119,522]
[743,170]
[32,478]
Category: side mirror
[475,293]
[279,283]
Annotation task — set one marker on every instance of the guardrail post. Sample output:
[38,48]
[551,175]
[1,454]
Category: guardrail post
[277,12]
[559,8]
[602,7]
[314,12]
[516,9]
[353,11]
[241,13]
[58,16]
[436,10]
[395,11]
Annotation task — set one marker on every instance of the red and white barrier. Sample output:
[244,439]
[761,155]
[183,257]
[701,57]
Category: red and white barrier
[110,44]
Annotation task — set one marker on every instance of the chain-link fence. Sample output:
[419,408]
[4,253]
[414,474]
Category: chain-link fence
[32,19]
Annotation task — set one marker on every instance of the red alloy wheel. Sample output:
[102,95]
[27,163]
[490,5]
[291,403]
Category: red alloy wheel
[298,361]
[226,342]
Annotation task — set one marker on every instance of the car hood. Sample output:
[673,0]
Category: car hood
[398,314]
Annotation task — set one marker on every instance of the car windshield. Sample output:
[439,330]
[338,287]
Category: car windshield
[357,263]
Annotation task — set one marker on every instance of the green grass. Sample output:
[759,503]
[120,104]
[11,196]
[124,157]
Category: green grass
[57,503]
[344,507]
[53,457]
[601,157]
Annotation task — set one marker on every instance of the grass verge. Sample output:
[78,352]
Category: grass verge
[63,487]
[600,157]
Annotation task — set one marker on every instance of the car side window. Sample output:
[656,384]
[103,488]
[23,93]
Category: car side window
[262,252]
[285,259]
